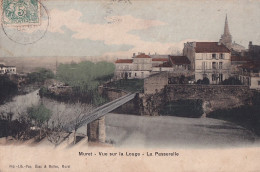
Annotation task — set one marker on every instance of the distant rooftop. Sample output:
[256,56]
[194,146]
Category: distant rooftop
[124,61]
[142,55]
[159,56]
[179,60]
[165,64]
[2,65]
[211,47]
[160,59]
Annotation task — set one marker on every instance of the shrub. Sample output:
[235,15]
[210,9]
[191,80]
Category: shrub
[205,81]
[232,81]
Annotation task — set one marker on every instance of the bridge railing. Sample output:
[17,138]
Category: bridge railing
[101,111]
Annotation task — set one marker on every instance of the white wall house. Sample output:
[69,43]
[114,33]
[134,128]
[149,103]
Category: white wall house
[7,69]
[250,75]
[124,68]
[138,67]
[209,59]
[142,65]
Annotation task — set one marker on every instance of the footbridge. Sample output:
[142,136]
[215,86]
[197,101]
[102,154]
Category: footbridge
[95,116]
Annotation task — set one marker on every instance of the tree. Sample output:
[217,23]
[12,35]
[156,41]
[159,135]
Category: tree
[7,88]
[205,81]
[60,112]
[40,114]
[79,112]
[40,75]
[232,81]
[15,113]
[86,74]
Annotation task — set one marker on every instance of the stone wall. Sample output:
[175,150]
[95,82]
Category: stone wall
[156,82]
[217,96]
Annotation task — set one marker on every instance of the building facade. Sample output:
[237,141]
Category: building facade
[140,66]
[250,75]
[210,60]
[7,69]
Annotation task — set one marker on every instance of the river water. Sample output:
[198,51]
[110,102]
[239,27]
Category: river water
[141,131]
[20,103]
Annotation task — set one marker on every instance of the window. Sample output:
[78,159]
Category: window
[220,77]
[214,65]
[135,74]
[130,74]
[214,77]
[258,82]
[213,56]
[203,65]
[221,56]
[220,65]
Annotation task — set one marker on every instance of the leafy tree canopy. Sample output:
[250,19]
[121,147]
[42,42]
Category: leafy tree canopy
[39,113]
[40,75]
[85,75]
[232,81]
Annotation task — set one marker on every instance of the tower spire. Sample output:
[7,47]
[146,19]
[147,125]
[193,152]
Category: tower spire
[226,38]
[226,29]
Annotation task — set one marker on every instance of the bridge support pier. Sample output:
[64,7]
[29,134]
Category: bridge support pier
[97,130]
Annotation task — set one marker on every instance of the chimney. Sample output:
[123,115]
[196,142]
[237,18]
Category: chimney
[250,45]
[133,54]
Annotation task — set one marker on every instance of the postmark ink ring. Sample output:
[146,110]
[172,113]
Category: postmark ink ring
[24,21]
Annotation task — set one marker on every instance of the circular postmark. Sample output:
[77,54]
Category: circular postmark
[23,22]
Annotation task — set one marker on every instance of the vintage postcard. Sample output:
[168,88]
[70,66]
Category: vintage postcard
[130,85]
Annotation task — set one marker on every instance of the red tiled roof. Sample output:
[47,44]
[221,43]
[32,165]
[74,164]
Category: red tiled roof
[160,59]
[239,58]
[179,60]
[142,56]
[124,61]
[211,47]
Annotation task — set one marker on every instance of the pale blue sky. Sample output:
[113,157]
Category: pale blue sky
[82,28]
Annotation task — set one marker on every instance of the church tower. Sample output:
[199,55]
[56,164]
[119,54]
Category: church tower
[226,38]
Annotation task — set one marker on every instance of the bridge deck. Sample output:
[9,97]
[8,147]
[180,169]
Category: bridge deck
[101,111]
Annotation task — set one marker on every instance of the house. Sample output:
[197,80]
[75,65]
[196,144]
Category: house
[210,60]
[142,66]
[159,61]
[7,69]
[164,67]
[254,51]
[250,75]
[138,67]
[179,63]
[174,64]
[236,62]
[124,68]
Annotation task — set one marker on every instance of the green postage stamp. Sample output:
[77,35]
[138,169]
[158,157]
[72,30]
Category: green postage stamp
[21,12]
